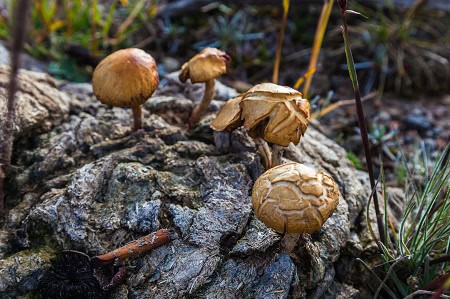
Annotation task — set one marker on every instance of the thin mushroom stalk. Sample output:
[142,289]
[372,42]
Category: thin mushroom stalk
[289,242]
[265,152]
[277,155]
[198,111]
[137,118]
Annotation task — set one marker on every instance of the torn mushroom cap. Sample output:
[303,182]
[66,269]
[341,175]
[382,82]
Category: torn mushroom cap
[278,114]
[229,116]
[209,64]
[294,198]
[126,78]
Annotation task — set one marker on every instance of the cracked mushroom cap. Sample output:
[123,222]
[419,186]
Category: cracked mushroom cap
[278,114]
[126,78]
[209,64]
[294,198]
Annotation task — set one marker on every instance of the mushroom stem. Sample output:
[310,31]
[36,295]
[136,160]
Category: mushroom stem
[137,116]
[264,151]
[290,241]
[198,111]
[277,155]
[143,244]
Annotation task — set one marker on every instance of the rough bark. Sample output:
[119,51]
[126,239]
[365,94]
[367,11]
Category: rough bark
[82,185]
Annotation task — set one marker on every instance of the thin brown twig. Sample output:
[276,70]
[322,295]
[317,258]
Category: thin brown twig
[423,292]
[391,268]
[442,259]
[276,66]
[94,27]
[340,103]
[318,39]
[136,247]
[19,34]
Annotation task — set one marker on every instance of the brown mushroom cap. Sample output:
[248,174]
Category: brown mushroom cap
[278,114]
[209,64]
[126,78]
[229,116]
[294,198]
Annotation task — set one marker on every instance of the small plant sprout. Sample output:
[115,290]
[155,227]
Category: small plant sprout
[75,275]
[204,67]
[272,113]
[294,199]
[416,258]
[126,78]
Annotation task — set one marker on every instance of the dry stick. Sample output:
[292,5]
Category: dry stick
[422,292]
[361,121]
[118,37]
[19,33]
[94,27]
[340,103]
[318,38]
[143,244]
[276,66]
[68,7]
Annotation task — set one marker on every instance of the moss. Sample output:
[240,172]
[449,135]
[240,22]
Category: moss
[354,160]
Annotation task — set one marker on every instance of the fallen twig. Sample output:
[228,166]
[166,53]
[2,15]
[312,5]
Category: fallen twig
[6,138]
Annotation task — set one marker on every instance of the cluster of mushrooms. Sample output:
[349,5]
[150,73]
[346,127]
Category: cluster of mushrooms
[290,198]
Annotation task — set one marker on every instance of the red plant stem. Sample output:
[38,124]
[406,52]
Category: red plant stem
[141,245]
[446,156]
[437,283]
[6,138]
[366,145]
[443,259]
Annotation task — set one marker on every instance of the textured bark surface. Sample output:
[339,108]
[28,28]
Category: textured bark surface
[84,182]
[39,104]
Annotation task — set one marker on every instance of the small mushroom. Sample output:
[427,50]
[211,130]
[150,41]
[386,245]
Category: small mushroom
[294,199]
[204,67]
[74,274]
[126,78]
[274,113]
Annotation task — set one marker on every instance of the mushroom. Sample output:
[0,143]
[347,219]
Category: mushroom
[74,274]
[126,78]
[294,199]
[274,113]
[204,67]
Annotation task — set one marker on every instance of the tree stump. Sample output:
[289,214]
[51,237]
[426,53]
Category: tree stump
[84,183]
